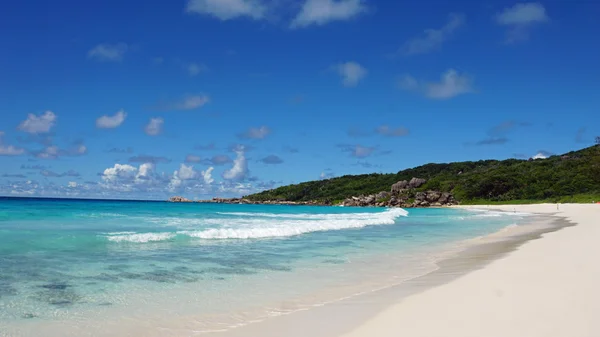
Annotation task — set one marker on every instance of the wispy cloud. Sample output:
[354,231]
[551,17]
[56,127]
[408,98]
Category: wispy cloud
[189,102]
[149,159]
[388,131]
[19,176]
[358,150]
[351,73]
[228,9]
[271,160]
[194,69]
[433,39]
[497,135]
[108,52]
[256,133]
[321,12]
[9,150]
[120,150]
[290,149]
[520,18]
[54,152]
[154,126]
[111,122]
[219,160]
[493,141]
[206,147]
[451,84]
[52,174]
[38,124]
[190,158]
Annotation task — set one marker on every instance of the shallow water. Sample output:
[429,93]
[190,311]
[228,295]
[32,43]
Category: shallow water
[69,266]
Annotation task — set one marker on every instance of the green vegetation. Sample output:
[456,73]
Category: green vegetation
[572,177]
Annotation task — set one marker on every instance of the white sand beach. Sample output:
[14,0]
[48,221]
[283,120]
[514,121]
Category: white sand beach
[537,283]
[546,287]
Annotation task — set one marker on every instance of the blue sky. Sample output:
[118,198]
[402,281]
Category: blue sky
[207,98]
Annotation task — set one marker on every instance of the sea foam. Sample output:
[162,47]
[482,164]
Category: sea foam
[265,225]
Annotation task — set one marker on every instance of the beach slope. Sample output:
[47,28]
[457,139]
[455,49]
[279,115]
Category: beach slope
[547,287]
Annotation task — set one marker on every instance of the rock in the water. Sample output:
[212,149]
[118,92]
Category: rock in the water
[416,182]
[179,199]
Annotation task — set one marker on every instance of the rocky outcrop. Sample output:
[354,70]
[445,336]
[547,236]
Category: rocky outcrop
[402,194]
[400,186]
[416,182]
[406,200]
[179,199]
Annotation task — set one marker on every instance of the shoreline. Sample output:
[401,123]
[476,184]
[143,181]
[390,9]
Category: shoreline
[544,287]
[347,315]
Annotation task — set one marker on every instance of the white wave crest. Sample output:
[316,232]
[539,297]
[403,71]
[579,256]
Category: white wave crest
[260,228]
[140,237]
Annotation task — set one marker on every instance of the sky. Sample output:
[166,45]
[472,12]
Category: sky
[222,98]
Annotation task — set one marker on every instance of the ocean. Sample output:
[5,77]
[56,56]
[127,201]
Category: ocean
[92,267]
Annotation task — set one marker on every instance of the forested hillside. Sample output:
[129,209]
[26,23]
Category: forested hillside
[573,176]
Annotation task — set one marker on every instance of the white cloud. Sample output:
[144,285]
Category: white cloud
[111,122]
[540,156]
[154,127]
[321,12]
[53,151]
[119,171]
[72,184]
[127,178]
[186,172]
[207,176]
[239,171]
[432,39]
[451,84]
[520,18]
[351,73]
[80,149]
[194,69]
[145,172]
[256,133]
[228,9]
[108,52]
[358,151]
[10,150]
[385,130]
[189,103]
[38,124]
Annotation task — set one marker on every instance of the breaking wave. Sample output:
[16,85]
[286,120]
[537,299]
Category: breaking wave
[264,225]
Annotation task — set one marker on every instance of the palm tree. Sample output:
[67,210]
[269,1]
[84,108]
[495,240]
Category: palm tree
[598,140]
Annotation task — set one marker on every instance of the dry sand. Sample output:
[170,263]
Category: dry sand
[547,287]
[529,281]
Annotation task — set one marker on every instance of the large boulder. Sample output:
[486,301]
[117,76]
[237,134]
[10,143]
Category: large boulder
[400,186]
[383,195]
[421,196]
[433,196]
[445,198]
[416,182]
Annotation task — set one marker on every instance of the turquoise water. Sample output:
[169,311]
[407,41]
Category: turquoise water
[73,265]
